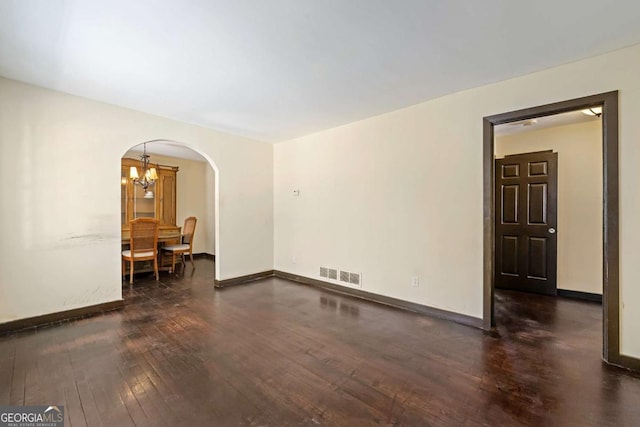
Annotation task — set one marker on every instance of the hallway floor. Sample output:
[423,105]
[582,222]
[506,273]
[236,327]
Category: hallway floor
[275,353]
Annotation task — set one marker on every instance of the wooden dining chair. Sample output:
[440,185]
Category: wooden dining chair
[143,245]
[186,243]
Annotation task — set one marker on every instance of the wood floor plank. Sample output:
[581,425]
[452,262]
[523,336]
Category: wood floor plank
[89,407]
[73,406]
[7,364]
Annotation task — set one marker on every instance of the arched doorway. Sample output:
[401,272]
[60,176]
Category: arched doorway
[186,183]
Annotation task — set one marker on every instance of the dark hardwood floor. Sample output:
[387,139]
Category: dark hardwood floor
[275,353]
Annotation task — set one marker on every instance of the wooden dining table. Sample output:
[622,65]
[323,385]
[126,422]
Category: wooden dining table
[164,236]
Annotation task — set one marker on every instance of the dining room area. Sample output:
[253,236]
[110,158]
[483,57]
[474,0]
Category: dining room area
[167,209]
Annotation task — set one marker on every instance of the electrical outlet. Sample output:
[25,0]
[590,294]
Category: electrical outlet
[294,259]
[415,281]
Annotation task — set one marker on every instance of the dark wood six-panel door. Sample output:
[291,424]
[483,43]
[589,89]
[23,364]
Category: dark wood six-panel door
[526,221]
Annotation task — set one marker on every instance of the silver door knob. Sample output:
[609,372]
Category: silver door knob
[552,230]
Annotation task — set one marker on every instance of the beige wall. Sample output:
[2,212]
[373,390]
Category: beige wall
[210,219]
[579,148]
[60,159]
[195,192]
[400,195]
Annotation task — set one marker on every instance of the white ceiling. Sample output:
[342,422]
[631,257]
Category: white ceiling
[278,69]
[572,117]
[165,148]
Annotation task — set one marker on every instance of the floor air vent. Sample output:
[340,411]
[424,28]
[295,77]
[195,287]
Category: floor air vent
[354,279]
[333,274]
[324,272]
[344,276]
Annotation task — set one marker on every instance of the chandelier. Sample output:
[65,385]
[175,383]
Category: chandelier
[147,176]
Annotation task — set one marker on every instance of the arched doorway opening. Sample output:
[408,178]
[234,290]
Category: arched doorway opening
[185,183]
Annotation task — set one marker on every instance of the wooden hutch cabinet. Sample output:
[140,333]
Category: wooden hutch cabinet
[162,206]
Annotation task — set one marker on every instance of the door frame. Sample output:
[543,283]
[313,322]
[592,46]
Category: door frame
[610,233]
